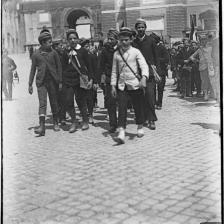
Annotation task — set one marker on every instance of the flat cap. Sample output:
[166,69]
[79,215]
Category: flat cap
[70,31]
[112,33]
[140,21]
[44,36]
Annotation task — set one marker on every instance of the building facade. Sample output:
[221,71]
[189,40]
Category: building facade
[24,19]
[169,18]
[58,16]
[11,27]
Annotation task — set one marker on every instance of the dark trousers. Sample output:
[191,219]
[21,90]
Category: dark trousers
[195,80]
[137,97]
[150,113]
[103,87]
[90,101]
[62,112]
[7,88]
[185,87]
[50,88]
[81,99]
[111,104]
[95,101]
[160,89]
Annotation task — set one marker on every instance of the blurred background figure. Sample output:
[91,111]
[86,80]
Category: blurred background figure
[9,67]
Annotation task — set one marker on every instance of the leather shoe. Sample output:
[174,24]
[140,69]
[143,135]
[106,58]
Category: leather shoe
[72,128]
[85,126]
[152,125]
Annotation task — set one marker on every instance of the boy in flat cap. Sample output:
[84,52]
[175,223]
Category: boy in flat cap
[127,81]
[48,80]
[105,68]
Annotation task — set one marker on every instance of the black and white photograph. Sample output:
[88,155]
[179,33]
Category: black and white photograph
[111,112]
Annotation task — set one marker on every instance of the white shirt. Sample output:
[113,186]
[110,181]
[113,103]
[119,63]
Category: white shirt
[135,59]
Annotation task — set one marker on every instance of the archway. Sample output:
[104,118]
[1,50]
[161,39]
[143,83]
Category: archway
[80,20]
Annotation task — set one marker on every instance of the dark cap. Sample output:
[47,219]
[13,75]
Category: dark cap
[140,21]
[70,31]
[44,36]
[126,31]
[112,33]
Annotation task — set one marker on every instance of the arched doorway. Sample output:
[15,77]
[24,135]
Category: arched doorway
[80,20]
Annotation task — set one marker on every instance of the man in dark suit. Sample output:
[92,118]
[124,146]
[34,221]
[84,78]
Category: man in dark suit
[147,46]
[163,57]
[105,69]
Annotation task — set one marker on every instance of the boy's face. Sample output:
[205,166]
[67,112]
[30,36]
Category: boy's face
[112,41]
[73,40]
[141,29]
[125,42]
[87,47]
[47,43]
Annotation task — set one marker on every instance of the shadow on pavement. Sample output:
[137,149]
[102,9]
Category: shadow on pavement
[215,127]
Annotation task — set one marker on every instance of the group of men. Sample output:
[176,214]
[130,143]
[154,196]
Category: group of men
[130,67]
[195,67]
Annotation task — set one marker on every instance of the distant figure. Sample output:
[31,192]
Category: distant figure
[31,50]
[9,67]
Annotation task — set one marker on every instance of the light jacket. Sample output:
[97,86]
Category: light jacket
[121,73]
[205,57]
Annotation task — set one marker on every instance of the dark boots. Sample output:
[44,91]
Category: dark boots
[73,126]
[41,129]
[55,122]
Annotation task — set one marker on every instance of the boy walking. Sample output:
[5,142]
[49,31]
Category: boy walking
[48,80]
[126,82]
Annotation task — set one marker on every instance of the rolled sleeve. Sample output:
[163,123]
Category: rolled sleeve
[114,71]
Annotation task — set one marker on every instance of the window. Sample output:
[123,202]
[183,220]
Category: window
[148,2]
[44,17]
[154,24]
[194,19]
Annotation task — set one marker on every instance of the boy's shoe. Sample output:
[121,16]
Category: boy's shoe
[120,139]
[140,131]
[56,127]
[152,125]
[72,128]
[63,122]
[91,121]
[85,126]
[41,129]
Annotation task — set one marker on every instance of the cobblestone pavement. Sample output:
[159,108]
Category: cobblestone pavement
[171,175]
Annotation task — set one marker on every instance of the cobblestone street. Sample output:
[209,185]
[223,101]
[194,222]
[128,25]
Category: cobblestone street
[171,175]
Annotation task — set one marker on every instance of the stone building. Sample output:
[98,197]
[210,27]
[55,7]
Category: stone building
[169,18]
[11,26]
[59,15]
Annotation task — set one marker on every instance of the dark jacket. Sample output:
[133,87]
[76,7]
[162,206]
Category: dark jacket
[163,57]
[43,61]
[94,65]
[148,48]
[182,55]
[70,76]
[106,62]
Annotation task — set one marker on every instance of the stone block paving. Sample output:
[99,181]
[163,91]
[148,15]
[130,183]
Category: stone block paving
[171,175]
